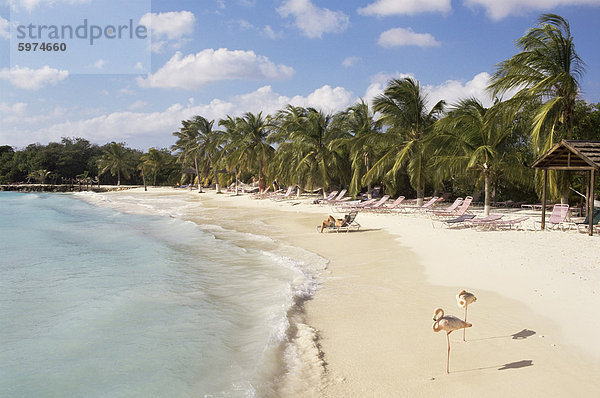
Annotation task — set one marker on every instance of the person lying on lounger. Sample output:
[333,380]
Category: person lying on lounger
[332,222]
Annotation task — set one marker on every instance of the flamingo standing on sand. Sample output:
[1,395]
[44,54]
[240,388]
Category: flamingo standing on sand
[463,299]
[448,323]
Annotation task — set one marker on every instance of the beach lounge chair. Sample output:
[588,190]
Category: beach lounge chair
[338,199]
[455,222]
[377,204]
[462,209]
[330,196]
[348,224]
[482,222]
[447,212]
[505,224]
[557,217]
[285,196]
[355,205]
[585,225]
[420,208]
[262,194]
[393,205]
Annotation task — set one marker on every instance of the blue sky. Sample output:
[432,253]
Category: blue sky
[227,57]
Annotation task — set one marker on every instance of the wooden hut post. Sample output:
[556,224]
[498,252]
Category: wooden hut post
[587,196]
[591,204]
[545,174]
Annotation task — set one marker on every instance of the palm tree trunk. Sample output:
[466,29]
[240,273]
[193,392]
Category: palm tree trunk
[144,179]
[369,195]
[217,187]
[260,177]
[154,180]
[486,200]
[118,177]
[420,195]
[198,175]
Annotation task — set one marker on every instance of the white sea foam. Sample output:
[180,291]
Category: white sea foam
[291,355]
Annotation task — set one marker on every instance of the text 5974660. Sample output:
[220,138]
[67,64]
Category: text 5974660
[43,46]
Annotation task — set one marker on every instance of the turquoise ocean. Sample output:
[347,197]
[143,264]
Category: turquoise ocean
[96,302]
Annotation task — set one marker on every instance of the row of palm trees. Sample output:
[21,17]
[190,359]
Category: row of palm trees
[398,137]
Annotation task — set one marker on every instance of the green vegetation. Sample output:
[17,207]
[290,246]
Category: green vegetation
[399,142]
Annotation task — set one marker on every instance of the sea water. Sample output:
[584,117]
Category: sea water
[96,302]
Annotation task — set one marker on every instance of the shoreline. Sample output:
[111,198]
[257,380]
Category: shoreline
[373,311]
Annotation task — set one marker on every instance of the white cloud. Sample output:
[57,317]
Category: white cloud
[129,126]
[17,109]
[312,20]
[168,28]
[99,64]
[405,7]
[327,98]
[4,28]
[500,9]
[196,70]
[170,25]
[32,79]
[138,105]
[406,37]
[30,5]
[271,34]
[450,91]
[21,119]
[349,62]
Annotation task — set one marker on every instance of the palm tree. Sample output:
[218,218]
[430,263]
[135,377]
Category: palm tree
[248,148]
[39,175]
[403,108]
[547,72]
[187,146]
[210,144]
[153,160]
[307,151]
[362,144]
[117,160]
[473,138]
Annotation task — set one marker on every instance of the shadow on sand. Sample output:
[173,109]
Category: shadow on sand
[517,365]
[522,335]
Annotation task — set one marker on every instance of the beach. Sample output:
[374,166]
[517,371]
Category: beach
[367,331]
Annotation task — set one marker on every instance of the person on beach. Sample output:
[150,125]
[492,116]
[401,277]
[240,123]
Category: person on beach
[332,222]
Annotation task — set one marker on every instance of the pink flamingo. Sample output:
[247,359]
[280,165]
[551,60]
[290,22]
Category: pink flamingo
[463,299]
[448,323]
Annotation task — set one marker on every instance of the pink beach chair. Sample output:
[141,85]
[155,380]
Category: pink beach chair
[375,206]
[557,217]
[418,208]
[393,205]
[330,196]
[457,212]
[449,210]
[506,224]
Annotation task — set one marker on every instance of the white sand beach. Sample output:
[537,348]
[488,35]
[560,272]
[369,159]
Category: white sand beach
[534,321]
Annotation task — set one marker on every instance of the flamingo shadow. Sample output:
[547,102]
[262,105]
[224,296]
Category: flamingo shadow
[517,365]
[523,334]
[513,365]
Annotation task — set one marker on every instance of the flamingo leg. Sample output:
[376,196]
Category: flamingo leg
[465,329]
[448,358]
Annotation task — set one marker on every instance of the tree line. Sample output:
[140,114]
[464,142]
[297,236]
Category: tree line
[397,141]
